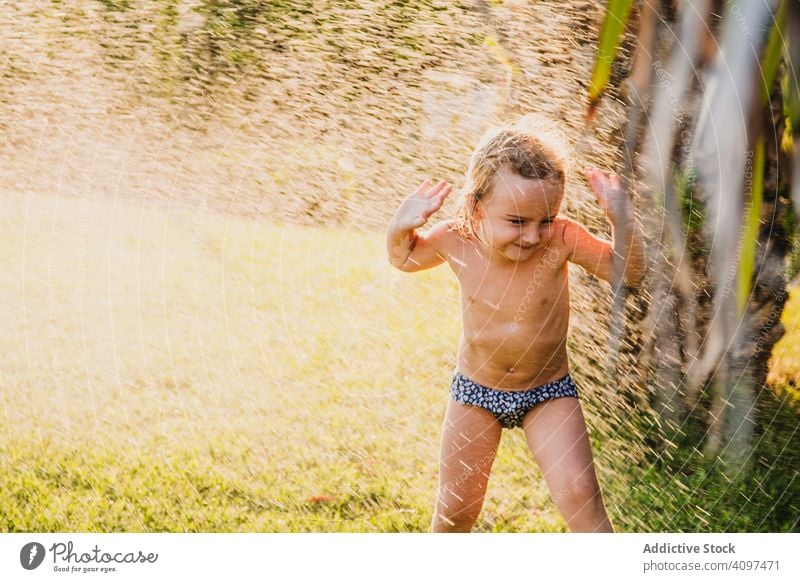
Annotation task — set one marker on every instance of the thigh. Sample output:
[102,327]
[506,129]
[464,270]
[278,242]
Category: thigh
[469,444]
[556,434]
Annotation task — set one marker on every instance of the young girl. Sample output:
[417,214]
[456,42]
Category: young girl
[509,250]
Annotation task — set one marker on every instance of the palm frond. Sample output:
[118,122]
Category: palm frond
[721,157]
[792,98]
[752,228]
[638,89]
[657,155]
[772,56]
[614,24]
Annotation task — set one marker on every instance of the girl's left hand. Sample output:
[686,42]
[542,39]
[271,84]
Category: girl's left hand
[610,195]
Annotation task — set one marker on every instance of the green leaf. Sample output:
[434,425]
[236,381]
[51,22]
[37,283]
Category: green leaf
[791,91]
[772,55]
[616,18]
[791,110]
[752,228]
[792,100]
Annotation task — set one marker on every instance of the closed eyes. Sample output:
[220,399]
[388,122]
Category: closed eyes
[520,221]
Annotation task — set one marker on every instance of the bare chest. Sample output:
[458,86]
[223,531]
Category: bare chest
[502,290]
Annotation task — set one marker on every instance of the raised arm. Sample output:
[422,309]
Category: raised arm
[596,255]
[408,249]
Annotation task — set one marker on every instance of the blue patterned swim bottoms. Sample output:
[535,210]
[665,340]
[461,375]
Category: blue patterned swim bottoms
[509,406]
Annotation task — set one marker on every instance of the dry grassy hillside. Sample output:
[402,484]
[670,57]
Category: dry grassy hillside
[315,112]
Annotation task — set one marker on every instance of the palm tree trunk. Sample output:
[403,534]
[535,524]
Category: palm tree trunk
[714,316]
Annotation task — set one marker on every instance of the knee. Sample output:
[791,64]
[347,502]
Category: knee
[581,504]
[454,514]
[445,522]
[578,493]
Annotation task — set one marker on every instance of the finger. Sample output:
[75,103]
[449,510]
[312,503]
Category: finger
[436,189]
[436,203]
[594,177]
[615,182]
[422,187]
[444,194]
[600,194]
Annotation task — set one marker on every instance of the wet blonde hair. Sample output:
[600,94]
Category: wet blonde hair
[529,146]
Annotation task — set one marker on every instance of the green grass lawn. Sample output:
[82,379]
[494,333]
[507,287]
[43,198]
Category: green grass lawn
[170,370]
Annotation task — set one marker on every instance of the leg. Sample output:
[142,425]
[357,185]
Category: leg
[556,433]
[469,443]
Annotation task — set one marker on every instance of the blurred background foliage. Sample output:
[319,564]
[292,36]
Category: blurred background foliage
[198,190]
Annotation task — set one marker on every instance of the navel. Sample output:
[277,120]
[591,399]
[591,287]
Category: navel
[543,301]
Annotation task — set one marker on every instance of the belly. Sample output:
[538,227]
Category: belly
[515,354]
[515,325]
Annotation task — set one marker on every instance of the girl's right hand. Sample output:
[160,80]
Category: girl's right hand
[417,208]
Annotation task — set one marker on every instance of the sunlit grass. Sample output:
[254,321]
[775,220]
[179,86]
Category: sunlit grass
[785,362]
[169,370]
[174,370]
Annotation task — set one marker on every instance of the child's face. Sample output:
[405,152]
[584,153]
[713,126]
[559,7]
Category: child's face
[515,220]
